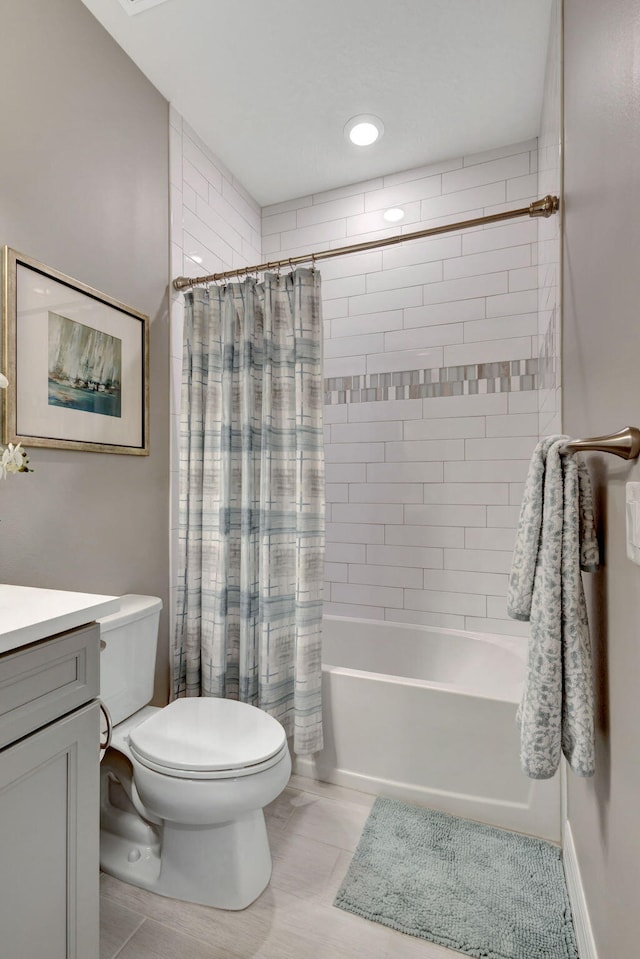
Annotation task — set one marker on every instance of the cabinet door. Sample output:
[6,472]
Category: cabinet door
[49,840]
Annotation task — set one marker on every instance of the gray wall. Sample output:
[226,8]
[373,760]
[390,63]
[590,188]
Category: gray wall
[84,189]
[602,393]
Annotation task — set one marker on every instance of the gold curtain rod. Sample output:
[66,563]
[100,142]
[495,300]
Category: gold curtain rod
[545,207]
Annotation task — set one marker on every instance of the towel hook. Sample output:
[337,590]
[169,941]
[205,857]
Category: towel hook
[625,443]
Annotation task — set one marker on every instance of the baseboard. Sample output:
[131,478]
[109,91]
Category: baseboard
[581,921]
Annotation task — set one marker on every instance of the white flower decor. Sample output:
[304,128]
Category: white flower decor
[13,459]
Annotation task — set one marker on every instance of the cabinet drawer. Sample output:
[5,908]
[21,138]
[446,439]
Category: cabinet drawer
[45,681]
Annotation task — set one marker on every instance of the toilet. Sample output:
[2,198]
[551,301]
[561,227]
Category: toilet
[182,787]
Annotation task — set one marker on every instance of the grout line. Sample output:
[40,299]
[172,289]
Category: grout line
[129,937]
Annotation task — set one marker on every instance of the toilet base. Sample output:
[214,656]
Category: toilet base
[226,865]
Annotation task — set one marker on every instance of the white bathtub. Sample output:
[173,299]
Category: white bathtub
[428,715]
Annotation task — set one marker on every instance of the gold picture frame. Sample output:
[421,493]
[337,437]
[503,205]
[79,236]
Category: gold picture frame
[77,362]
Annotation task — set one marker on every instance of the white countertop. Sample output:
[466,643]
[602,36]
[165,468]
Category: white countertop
[28,614]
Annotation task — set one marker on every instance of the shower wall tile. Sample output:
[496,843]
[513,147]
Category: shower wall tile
[488,471]
[346,473]
[392,410]
[466,288]
[495,494]
[345,553]
[463,426]
[361,432]
[520,232]
[480,560]
[491,261]
[426,536]
[422,251]
[216,226]
[436,601]
[386,576]
[386,492]
[455,311]
[489,538]
[405,473]
[501,328]
[434,367]
[524,301]
[488,172]
[367,512]
[367,595]
[416,557]
[523,402]
[525,424]
[464,581]
[336,572]
[357,533]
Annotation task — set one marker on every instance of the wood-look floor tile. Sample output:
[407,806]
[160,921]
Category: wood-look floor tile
[331,821]
[333,883]
[117,924]
[277,815]
[401,946]
[279,811]
[307,928]
[214,926]
[312,833]
[303,866]
[155,941]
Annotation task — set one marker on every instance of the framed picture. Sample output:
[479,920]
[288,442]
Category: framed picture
[77,362]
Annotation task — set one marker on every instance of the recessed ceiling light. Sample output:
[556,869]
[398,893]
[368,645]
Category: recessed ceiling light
[394,215]
[364,129]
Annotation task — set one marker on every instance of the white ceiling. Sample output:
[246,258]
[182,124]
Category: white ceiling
[269,84]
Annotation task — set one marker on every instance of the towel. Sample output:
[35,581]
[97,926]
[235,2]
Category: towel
[555,540]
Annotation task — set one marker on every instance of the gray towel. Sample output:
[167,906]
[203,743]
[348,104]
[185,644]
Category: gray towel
[555,540]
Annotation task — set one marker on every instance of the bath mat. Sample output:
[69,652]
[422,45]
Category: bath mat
[481,890]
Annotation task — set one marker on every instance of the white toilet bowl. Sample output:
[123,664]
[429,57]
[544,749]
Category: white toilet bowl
[182,795]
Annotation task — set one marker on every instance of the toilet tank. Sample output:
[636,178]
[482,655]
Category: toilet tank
[128,641]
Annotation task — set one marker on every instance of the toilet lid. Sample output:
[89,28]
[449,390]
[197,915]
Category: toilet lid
[202,735]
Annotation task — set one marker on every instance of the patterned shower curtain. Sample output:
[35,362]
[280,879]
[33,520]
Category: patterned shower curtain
[251,539]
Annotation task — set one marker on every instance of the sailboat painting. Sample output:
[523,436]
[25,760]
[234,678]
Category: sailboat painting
[85,367]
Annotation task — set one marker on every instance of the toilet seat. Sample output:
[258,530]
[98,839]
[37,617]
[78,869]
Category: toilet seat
[208,738]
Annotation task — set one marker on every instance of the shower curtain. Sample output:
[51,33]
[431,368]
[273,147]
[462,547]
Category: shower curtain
[251,512]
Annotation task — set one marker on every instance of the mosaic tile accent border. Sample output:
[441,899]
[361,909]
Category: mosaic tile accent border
[509,376]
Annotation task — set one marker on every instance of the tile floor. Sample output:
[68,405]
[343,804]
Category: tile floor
[313,829]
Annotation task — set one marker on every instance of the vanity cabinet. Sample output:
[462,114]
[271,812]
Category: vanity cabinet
[49,798]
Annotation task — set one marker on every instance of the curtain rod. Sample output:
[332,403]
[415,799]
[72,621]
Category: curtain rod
[545,207]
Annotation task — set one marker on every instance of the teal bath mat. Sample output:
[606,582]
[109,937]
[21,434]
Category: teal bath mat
[481,890]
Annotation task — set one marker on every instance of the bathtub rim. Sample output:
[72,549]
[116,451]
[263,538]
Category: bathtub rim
[515,645]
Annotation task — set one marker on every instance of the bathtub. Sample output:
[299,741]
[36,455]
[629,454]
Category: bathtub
[427,715]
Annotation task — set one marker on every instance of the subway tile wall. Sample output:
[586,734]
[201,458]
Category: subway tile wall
[432,366]
[437,356]
[215,226]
